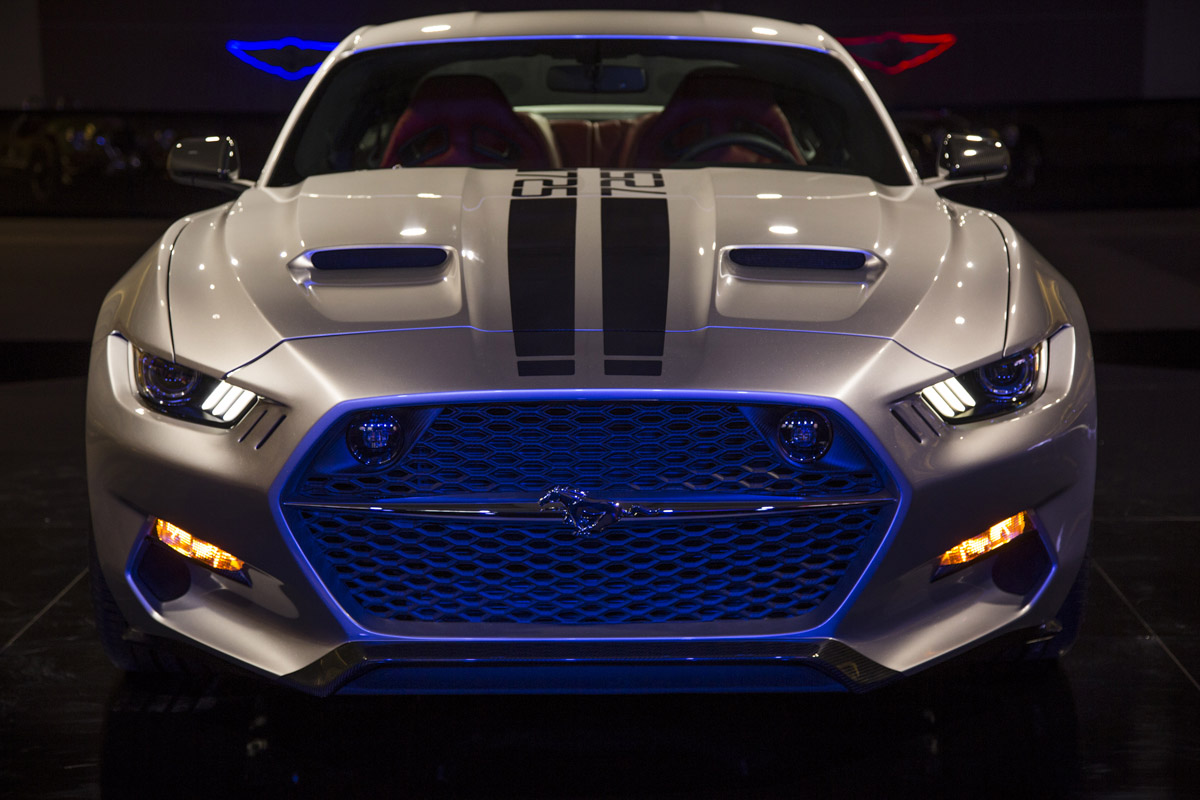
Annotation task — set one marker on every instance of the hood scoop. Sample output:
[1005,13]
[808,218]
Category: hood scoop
[390,265]
[799,258]
[801,264]
[376,257]
[819,284]
[380,283]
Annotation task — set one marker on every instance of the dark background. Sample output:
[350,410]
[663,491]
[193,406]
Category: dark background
[1097,101]
[1100,104]
[154,56]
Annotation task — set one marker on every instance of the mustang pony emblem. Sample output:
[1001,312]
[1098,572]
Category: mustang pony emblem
[586,515]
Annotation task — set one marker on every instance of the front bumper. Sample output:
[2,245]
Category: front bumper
[285,623]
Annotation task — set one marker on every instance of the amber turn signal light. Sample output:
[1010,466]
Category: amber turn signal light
[996,536]
[184,543]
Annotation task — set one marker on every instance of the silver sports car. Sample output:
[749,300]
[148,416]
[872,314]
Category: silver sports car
[588,351]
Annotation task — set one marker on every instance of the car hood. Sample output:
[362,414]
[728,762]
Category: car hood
[637,254]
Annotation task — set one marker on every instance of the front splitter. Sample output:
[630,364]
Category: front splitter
[540,667]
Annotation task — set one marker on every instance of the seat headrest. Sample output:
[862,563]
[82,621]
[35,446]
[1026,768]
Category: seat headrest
[710,102]
[460,120]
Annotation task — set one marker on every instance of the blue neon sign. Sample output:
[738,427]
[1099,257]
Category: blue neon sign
[244,51]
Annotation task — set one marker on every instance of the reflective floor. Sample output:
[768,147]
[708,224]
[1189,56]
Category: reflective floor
[1120,718]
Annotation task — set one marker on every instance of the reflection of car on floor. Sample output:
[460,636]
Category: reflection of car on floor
[589,352]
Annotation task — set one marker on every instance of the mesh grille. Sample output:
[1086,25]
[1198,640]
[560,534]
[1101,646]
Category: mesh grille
[748,568]
[613,447]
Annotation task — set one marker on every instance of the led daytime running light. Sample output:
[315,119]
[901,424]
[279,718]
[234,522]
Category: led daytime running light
[184,543]
[996,536]
[949,397]
[227,401]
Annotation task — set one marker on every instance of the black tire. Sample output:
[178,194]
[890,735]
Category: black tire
[126,649]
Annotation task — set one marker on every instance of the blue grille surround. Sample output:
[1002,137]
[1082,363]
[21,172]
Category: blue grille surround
[389,563]
[435,570]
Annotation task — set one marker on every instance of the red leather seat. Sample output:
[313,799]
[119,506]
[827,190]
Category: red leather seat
[707,104]
[608,136]
[584,143]
[574,140]
[463,120]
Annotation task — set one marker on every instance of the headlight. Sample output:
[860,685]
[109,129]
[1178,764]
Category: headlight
[993,389]
[179,391]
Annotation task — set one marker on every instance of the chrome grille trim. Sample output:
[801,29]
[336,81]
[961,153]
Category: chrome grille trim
[531,510]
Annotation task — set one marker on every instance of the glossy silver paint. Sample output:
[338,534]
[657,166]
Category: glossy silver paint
[943,263]
[946,288]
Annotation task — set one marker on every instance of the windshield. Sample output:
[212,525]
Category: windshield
[587,102]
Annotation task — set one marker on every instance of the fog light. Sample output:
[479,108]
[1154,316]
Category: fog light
[375,438]
[184,543]
[805,435]
[996,536]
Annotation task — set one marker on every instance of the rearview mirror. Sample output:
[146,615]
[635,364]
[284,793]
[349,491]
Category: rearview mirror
[593,78]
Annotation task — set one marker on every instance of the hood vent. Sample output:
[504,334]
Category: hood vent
[377,258]
[808,265]
[798,258]
[380,265]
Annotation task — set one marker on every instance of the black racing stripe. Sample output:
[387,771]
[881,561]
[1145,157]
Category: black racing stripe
[619,366]
[541,275]
[635,242]
[548,367]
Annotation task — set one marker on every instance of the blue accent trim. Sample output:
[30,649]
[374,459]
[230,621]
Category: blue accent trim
[701,329]
[242,51]
[594,37]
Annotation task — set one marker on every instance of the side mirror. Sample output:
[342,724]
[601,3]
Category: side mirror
[211,162]
[966,158]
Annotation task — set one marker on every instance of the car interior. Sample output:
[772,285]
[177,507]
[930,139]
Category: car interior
[550,105]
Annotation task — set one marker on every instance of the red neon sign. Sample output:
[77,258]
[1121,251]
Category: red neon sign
[895,52]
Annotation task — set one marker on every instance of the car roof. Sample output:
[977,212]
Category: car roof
[538,24]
